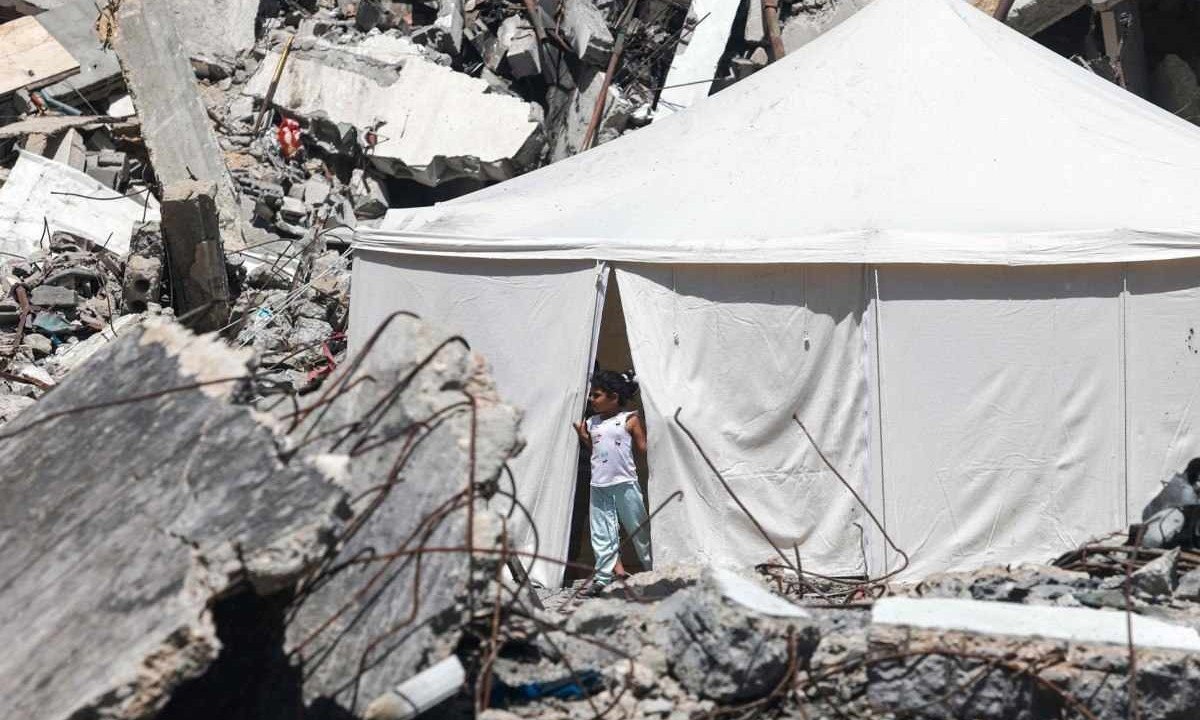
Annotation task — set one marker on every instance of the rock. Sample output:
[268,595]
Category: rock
[1189,586]
[523,52]
[723,651]
[53,296]
[39,344]
[316,192]
[1156,577]
[111,575]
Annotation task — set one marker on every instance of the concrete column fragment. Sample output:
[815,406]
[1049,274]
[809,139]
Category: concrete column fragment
[196,259]
[175,124]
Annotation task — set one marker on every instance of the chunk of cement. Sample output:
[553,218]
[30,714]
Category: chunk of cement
[73,23]
[450,22]
[587,31]
[434,124]
[195,257]
[175,124]
[125,518]
[724,650]
[217,31]
[1032,16]
[1156,577]
[1189,586]
[802,28]
[375,642]
[522,50]
[41,191]
[1083,625]
[705,35]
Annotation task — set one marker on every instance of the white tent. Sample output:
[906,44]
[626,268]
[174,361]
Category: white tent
[970,266]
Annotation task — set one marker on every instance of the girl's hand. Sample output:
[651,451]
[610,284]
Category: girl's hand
[582,432]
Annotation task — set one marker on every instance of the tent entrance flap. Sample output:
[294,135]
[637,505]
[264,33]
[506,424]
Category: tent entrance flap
[612,353]
[532,321]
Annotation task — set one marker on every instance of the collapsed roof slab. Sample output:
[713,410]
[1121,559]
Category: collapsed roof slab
[433,124]
[137,494]
[41,193]
[73,24]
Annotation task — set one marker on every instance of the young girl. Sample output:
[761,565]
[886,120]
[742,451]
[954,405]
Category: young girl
[612,434]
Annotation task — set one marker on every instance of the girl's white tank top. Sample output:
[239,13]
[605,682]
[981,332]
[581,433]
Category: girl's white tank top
[612,450]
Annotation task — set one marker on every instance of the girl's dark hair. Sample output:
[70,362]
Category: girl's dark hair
[620,384]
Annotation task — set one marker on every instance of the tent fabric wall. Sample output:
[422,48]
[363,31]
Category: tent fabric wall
[533,321]
[1162,339]
[1002,411]
[740,349]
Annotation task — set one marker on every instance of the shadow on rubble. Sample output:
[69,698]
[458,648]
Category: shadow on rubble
[251,679]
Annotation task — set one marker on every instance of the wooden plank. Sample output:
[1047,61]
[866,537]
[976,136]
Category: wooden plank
[30,57]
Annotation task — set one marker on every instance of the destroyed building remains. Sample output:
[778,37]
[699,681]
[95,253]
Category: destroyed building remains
[228,491]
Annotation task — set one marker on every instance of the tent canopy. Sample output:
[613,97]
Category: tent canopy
[918,131]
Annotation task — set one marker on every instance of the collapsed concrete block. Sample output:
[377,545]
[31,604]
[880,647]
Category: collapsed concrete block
[1032,16]
[802,28]
[142,283]
[992,661]
[1189,586]
[522,50]
[73,23]
[727,649]
[1156,577]
[53,296]
[358,631]
[111,573]
[432,124]
[450,23]
[190,227]
[40,190]
[217,31]
[587,30]
[174,121]
[370,198]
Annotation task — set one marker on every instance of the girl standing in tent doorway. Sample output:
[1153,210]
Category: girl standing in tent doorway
[612,434]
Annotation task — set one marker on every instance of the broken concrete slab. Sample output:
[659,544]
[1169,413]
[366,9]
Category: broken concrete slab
[217,31]
[1032,16]
[355,631]
[433,124]
[586,29]
[802,28]
[49,125]
[195,257]
[110,575]
[41,193]
[705,35]
[73,24]
[1020,661]
[175,124]
[732,649]
[1082,625]
[521,47]
[450,22]
[30,57]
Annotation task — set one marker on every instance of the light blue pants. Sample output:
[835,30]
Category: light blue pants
[611,505]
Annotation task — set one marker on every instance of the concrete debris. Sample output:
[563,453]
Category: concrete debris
[175,124]
[587,30]
[705,35]
[195,258]
[217,32]
[73,24]
[1173,85]
[41,192]
[346,660]
[464,131]
[803,27]
[110,581]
